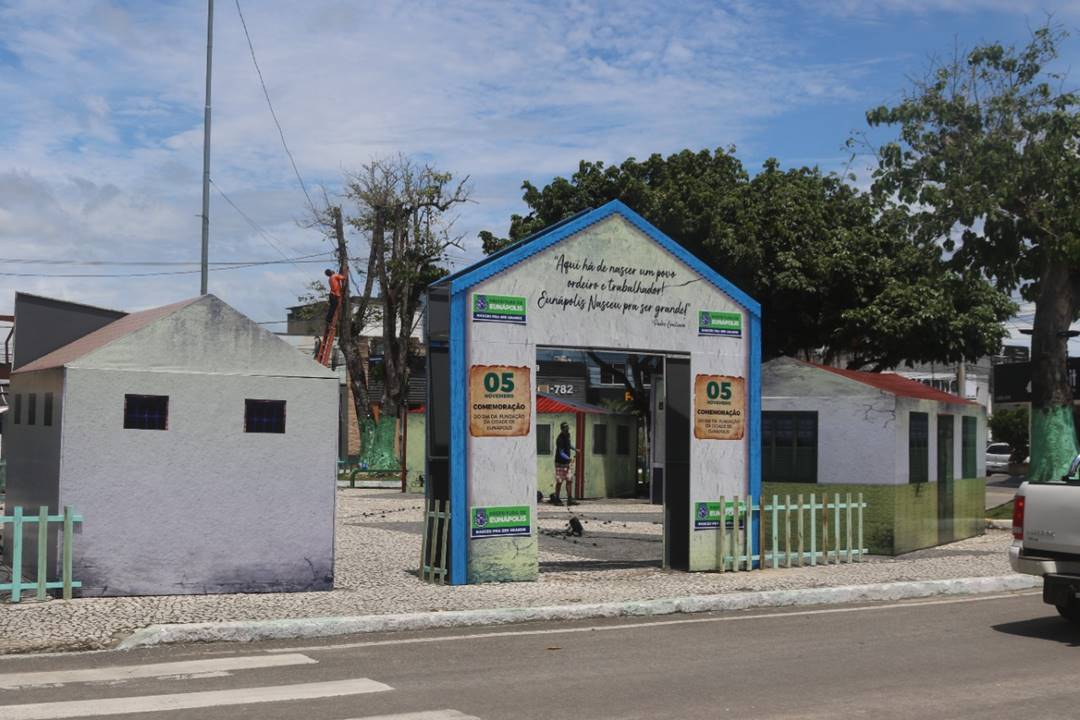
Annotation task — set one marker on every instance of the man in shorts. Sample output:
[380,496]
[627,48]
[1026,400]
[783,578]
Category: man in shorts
[564,450]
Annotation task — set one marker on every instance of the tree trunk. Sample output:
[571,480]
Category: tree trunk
[1053,433]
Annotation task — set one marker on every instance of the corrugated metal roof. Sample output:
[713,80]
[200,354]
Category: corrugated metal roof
[102,337]
[896,385]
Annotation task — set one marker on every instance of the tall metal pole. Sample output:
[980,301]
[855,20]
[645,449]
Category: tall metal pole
[206,151]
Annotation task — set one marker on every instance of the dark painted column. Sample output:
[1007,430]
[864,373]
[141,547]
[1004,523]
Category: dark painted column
[677,462]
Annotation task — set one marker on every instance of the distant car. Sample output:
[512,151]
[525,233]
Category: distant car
[997,457]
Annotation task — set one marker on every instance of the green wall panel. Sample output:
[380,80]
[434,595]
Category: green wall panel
[898,518]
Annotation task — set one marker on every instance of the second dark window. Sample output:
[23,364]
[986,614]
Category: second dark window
[264,416]
[599,439]
[146,412]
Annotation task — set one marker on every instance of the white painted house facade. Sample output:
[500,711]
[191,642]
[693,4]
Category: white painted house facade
[199,448]
[916,451]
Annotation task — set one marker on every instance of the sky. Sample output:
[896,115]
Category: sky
[102,124]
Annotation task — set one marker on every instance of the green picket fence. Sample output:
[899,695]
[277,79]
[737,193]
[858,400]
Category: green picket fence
[66,523]
[792,531]
[433,566]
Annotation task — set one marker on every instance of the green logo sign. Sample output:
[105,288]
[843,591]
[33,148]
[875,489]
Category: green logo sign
[508,520]
[498,308]
[707,515]
[728,324]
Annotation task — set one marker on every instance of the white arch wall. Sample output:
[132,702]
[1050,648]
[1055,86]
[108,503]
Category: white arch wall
[502,470]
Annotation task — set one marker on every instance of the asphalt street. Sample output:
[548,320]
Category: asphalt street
[986,657]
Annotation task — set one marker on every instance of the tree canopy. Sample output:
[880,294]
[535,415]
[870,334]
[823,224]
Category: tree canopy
[834,270]
[986,165]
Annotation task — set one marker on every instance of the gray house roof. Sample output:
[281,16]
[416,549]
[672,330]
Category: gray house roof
[198,335]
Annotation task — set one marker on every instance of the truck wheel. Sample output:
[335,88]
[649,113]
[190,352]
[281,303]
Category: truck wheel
[1070,611]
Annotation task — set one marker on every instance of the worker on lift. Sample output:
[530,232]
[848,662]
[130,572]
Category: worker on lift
[337,290]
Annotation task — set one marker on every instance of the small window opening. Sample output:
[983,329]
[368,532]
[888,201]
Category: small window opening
[264,416]
[146,412]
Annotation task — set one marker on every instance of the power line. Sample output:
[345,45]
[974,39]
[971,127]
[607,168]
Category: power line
[266,236]
[156,263]
[241,266]
[266,93]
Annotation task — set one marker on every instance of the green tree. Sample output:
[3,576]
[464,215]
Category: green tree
[986,164]
[401,219]
[832,271]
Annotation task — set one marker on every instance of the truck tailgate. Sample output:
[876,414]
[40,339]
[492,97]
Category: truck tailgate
[1052,518]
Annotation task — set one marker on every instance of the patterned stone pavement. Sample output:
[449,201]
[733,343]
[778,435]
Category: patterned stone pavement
[378,550]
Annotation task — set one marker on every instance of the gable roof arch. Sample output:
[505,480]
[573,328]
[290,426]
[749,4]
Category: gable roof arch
[546,238]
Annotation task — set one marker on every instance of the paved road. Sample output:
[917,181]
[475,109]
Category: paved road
[989,657]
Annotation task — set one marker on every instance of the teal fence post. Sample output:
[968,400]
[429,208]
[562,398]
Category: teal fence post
[860,528]
[42,550]
[848,513]
[775,532]
[66,559]
[16,556]
[836,527]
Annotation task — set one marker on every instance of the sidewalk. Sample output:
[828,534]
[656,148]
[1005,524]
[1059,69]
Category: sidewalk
[378,550]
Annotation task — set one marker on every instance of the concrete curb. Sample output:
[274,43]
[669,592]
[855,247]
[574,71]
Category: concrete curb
[998,524]
[250,631]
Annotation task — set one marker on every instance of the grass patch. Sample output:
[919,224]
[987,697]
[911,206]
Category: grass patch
[1001,512]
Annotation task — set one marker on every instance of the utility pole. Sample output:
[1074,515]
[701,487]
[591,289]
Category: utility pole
[206,151]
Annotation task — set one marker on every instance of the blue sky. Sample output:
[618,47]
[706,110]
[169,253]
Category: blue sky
[100,138]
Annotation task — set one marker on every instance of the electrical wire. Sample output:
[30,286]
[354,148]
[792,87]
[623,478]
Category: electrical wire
[153,263]
[269,104]
[240,266]
[266,236]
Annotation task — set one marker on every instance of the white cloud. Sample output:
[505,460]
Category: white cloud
[101,151]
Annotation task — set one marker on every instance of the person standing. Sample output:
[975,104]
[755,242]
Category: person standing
[337,289]
[564,450]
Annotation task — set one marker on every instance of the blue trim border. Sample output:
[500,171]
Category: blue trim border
[484,270]
[459,285]
[754,434]
[459,405]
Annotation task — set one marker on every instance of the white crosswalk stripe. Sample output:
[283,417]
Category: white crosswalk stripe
[429,715]
[187,701]
[215,667]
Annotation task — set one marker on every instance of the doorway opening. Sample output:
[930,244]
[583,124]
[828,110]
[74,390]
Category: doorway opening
[601,422]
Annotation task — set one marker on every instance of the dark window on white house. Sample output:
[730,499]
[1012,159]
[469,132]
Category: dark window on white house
[17,410]
[264,416]
[789,447]
[622,439]
[31,409]
[146,412]
[969,426]
[543,439]
[918,447]
[47,410]
[599,439]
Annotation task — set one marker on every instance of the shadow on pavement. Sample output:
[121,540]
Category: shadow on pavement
[575,565]
[1045,628]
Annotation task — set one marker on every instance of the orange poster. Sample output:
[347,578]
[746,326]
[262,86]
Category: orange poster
[719,407]
[500,401]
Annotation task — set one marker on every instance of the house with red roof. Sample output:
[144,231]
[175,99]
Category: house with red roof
[913,451]
[188,438]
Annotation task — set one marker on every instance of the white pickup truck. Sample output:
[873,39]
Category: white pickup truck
[1046,539]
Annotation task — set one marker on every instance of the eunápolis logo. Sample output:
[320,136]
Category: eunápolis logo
[512,520]
[498,308]
[707,515]
[712,322]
